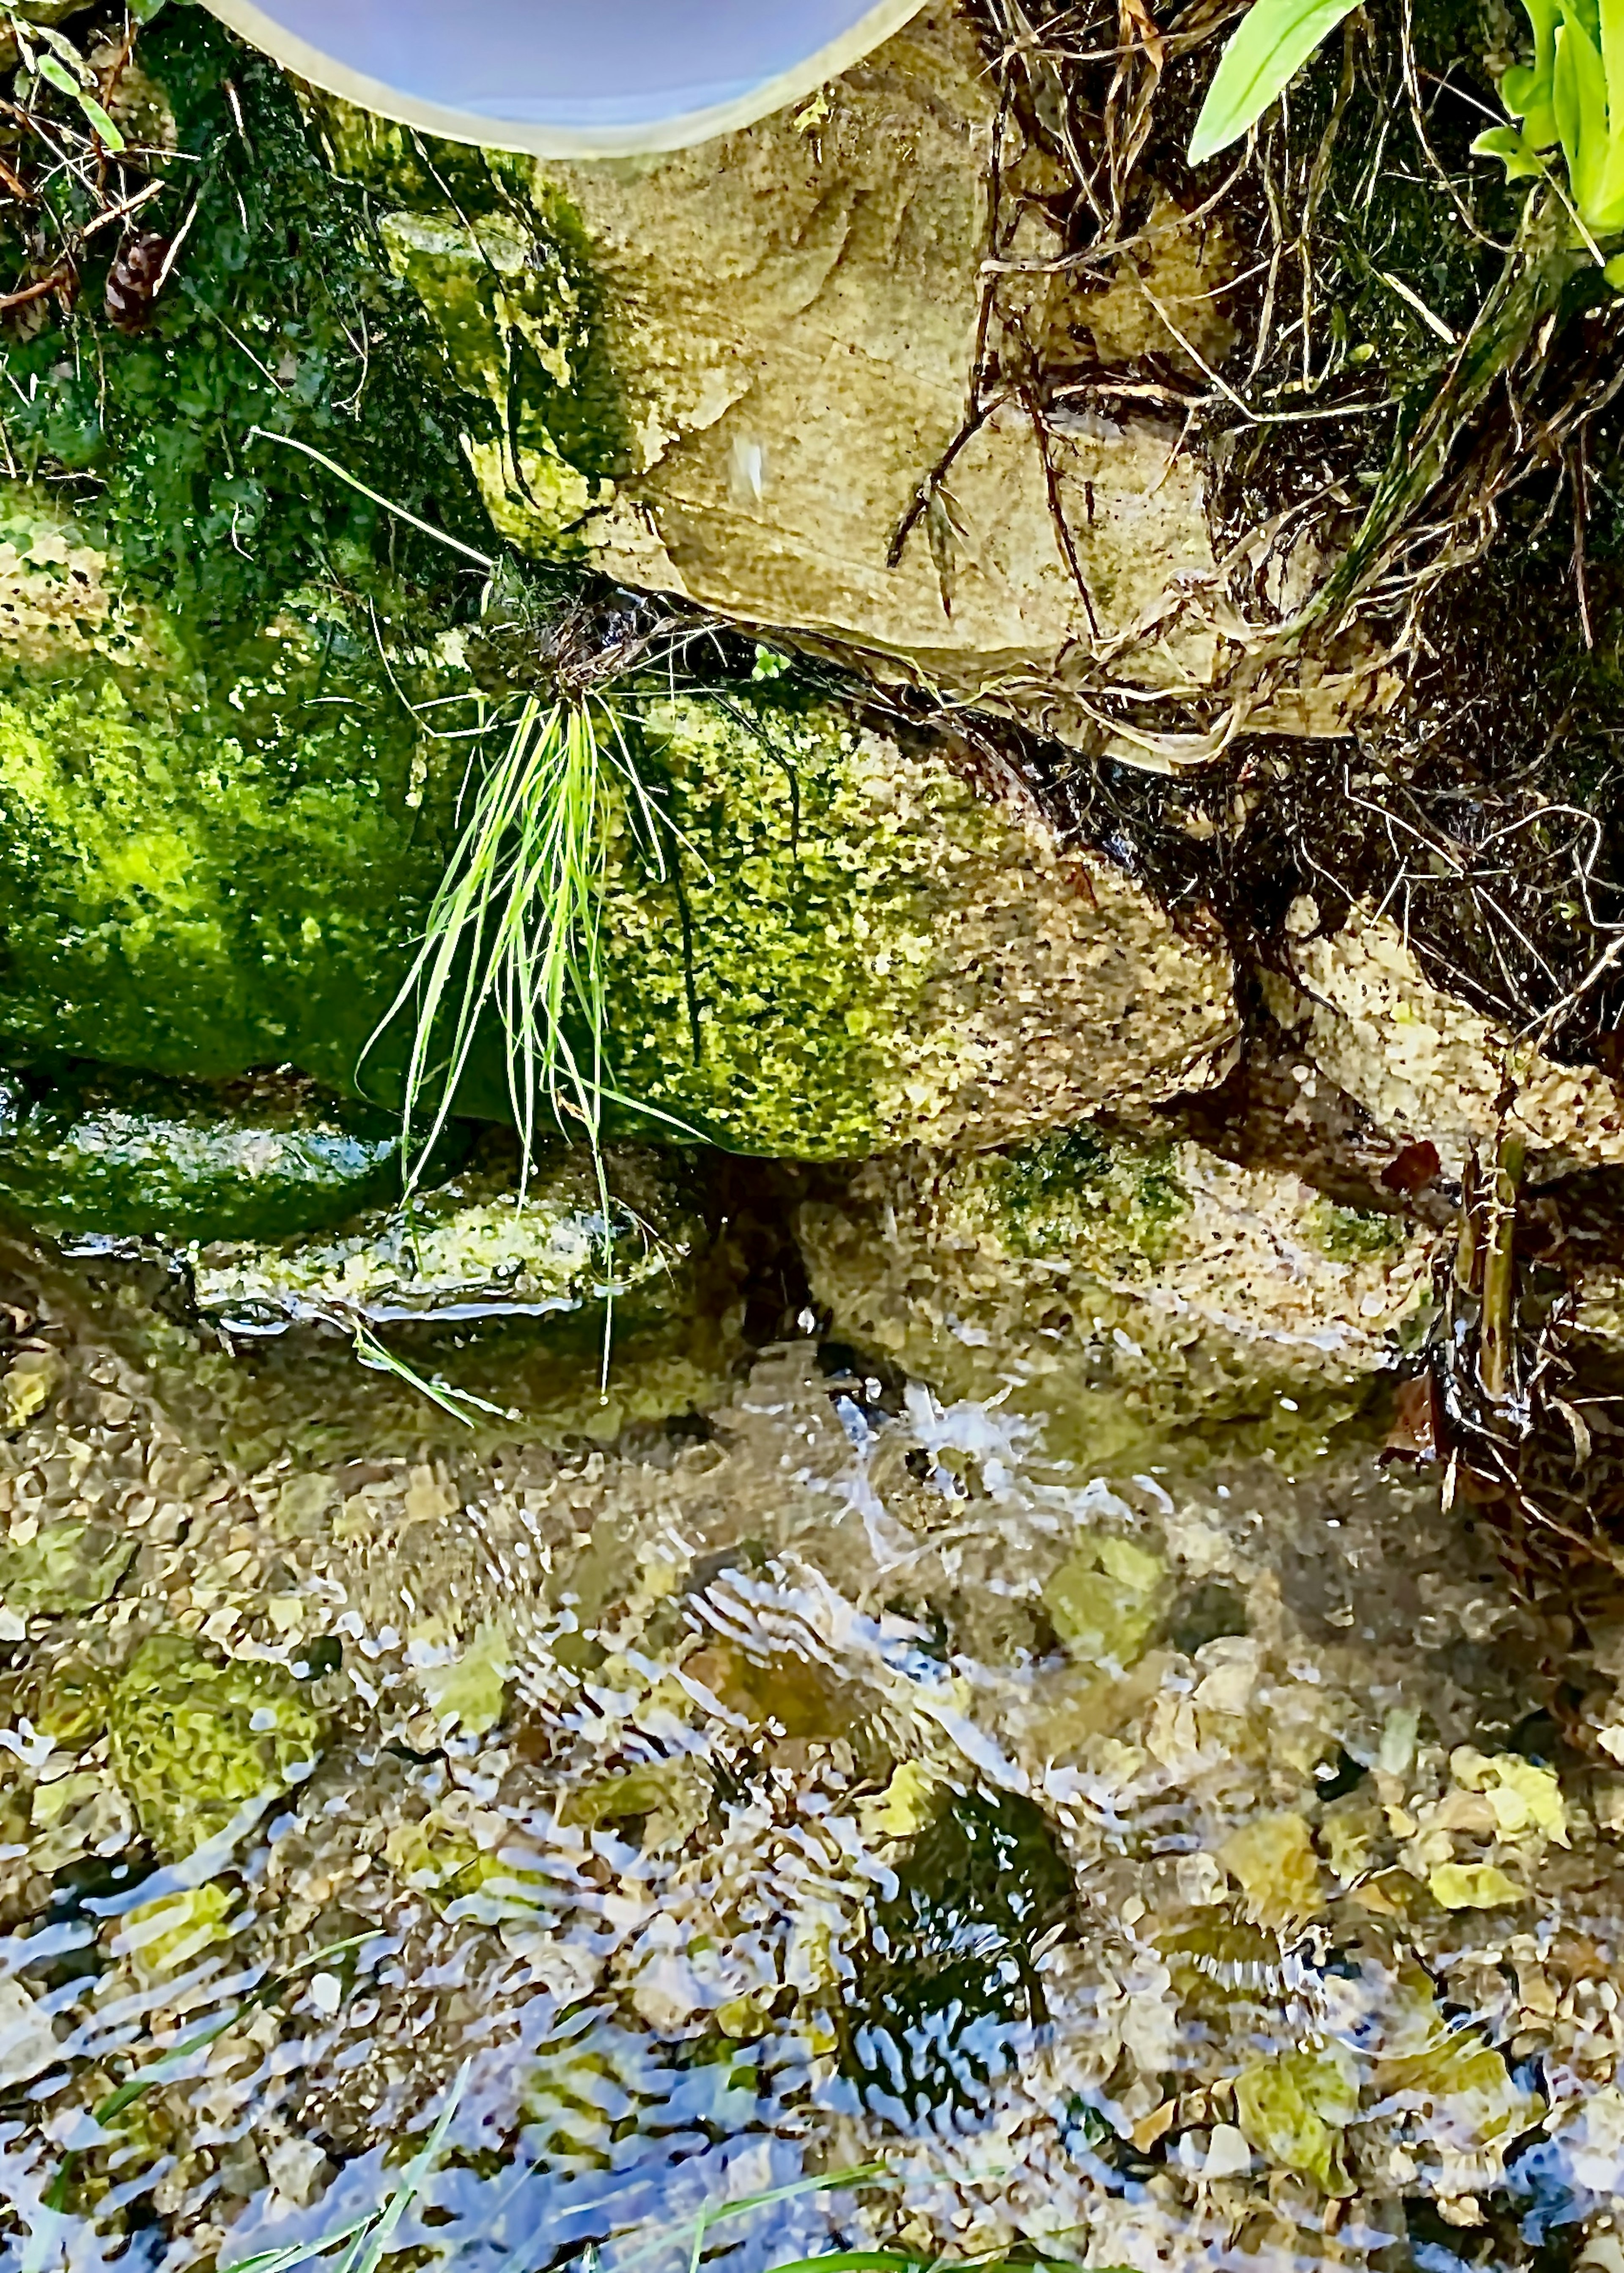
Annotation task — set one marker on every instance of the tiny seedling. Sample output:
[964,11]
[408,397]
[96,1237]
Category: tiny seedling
[55,59]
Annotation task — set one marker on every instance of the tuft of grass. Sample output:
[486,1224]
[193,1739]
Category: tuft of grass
[517,927]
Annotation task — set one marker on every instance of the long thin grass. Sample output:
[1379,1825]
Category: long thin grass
[517,927]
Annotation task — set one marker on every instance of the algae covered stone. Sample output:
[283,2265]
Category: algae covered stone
[102,1152]
[1119,1283]
[197,1739]
[842,946]
[217,861]
[479,1246]
[1294,2107]
[66,1566]
[506,1305]
[1105,1600]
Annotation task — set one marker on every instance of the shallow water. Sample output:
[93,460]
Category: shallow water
[833,1784]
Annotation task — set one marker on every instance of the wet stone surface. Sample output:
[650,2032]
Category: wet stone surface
[1210,1864]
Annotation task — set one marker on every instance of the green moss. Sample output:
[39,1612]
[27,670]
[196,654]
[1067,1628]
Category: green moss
[282,311]
[1083,1188]
[127,1154]
[1355,1234]
[209,865]
[195,1739]
[768,960]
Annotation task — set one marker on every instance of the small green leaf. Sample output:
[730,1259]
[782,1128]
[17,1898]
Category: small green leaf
[1520,159]
[113,140]
[52,72]
[1274,41]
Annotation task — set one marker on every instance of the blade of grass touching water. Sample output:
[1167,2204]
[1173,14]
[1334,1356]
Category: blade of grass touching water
[516,926]
[369,2238]
[373,1354]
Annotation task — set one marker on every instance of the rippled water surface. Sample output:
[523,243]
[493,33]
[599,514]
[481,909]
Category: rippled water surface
[832,1799]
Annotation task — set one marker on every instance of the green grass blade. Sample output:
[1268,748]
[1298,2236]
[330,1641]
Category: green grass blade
[376,497]
[1274,40]
[370,2248]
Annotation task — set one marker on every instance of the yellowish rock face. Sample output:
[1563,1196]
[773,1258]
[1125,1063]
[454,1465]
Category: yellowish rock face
[1423,1064]
[741,373]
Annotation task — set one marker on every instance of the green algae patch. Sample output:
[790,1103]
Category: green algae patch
[516,312]
[102,1152]
[836,945]
[1294,2107]
[196,1739]
[1355,1234]
[1106,1599]
[31,1384]
[210,867]
[1081,1190]
[1273,1859]
[64,1568]
[165,1935]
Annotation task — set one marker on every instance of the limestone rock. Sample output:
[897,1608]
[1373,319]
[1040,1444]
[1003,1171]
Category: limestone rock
[727,373]
[1424,1065]
[474,1249]
[1119,1285]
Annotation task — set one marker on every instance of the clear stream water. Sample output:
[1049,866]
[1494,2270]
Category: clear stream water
[833,1798]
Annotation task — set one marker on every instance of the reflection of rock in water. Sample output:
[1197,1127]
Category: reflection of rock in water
[949,1989]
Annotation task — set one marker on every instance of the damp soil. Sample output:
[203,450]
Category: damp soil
[828,1795]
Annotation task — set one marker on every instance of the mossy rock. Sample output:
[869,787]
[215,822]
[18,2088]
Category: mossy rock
[124,1155]
[197,1739]
[236,694]
[831,944]
[481,1247]
[1124,1286]
[466,1317]
[66,1567]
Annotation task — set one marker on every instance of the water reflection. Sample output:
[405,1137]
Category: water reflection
[1204,1866]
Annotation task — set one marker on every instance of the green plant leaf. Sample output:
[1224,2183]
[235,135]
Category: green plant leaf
[1525,89]
[113,141]
[56,75]
[1607,216]
[1514,151]
[1274,41]
[1580,99]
